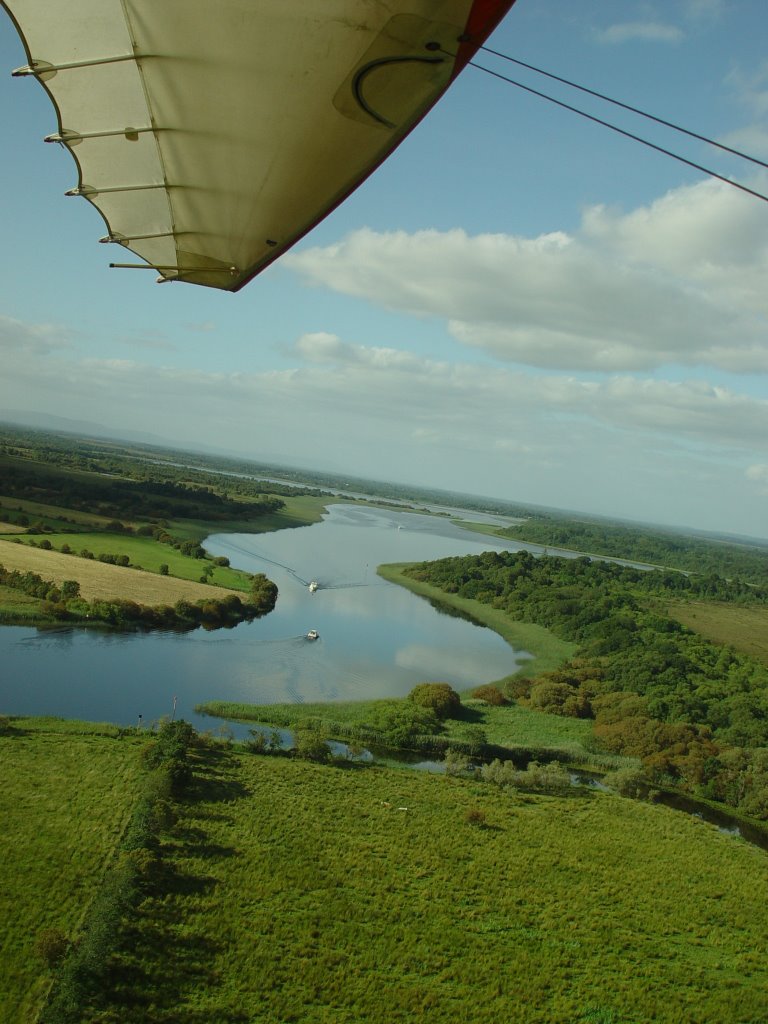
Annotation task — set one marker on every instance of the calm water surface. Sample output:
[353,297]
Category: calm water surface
[376,639]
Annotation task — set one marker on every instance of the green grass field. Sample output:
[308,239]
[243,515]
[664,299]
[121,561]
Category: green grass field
[315,894]
[744,627]
[67,792]
[295,892]
[147,553]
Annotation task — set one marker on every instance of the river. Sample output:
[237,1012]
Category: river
[376,639]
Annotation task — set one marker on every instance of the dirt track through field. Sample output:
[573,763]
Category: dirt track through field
[99,580]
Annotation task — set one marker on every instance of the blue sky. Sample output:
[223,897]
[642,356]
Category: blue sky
[518,303]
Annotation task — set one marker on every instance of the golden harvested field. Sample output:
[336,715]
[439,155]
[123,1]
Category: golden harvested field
[99,580]
[11,528]
[743,627]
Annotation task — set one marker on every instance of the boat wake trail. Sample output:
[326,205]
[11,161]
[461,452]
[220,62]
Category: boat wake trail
[255,553]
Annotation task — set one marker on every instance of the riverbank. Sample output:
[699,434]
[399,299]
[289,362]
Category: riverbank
[546,650]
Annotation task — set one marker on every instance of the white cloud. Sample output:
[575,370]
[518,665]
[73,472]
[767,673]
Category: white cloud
[367,389]
[321,347]
[680,281]
[646,31]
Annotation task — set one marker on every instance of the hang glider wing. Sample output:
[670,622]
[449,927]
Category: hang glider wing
[211,136]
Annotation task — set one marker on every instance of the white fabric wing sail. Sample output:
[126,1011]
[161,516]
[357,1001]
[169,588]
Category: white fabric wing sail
[212,136]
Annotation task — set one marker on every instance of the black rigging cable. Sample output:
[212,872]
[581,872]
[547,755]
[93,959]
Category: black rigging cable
[621,131]
[627,106]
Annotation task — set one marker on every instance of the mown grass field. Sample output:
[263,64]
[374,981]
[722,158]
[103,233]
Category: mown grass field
[66,794]
[317,894]
[743,627]
[546,649]
[146,553]
[100,580]
[6,528]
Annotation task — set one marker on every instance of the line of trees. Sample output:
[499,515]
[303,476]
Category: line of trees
[81,965]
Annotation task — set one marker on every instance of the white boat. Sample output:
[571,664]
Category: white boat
[313,635]
[313,586]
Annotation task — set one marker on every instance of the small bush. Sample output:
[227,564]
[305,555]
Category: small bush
[51,946]
[438,697]
[490,694]
[311,745]
[455,762]
[263,743]
[475,816]
[630,782]
[550,696]
[537,778]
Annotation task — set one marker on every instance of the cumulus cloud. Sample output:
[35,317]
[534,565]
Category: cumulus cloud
[364,390]
[679,281]
[646,31]
[321,347]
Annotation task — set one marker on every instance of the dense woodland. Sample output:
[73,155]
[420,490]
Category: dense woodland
[694,711]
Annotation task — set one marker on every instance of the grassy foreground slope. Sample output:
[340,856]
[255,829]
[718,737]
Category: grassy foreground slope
[291,891]
[67,792]
[316,894]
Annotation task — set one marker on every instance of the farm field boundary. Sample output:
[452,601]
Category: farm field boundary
[101,581]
